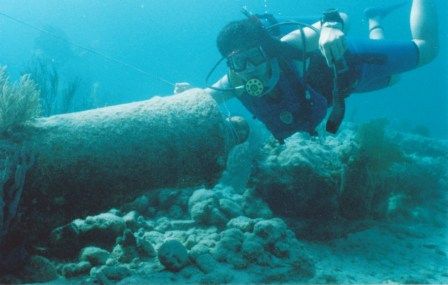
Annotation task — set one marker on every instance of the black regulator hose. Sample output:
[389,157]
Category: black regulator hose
[338,112]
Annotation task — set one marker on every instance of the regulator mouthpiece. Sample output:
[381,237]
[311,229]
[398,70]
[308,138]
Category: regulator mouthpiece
[254,87]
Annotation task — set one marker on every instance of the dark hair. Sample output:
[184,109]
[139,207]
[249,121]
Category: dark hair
[249,33]
[240,35]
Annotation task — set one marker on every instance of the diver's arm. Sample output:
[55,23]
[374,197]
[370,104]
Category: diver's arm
[424,29]
[311,37]
[330,39]
[220,96]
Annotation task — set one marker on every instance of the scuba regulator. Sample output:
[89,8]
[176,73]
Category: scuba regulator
[254,87]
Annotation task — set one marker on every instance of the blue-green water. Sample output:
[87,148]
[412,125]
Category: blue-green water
[175,40]
[123,51]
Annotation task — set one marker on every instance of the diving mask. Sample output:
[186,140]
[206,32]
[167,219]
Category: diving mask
[238,60]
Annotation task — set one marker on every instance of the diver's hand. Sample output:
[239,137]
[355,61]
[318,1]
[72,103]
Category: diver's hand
[180,87]
[332,43]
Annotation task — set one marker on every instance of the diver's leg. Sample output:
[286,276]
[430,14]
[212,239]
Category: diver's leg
[376,31]
[424,28]
[375,14]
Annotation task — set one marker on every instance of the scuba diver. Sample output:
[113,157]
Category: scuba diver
[288,74]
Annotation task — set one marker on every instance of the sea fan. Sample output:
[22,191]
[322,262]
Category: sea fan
[19,102]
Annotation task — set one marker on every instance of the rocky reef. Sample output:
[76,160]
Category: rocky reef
[312,208]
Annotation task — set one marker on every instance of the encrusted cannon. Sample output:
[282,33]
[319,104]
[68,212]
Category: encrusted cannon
[86,162]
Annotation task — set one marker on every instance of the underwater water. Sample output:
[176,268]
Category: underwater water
[175,40]
[368,205]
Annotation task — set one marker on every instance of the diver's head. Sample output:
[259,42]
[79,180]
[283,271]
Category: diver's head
[247,47]
[242,44]
[240,35]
